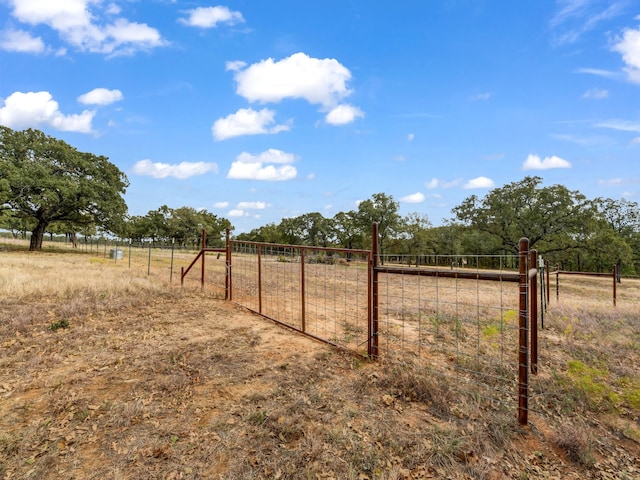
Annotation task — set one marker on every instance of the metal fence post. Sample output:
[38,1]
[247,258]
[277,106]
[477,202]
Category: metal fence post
[533,309]
[615,278]
[204,242]
[302,290]
[523,344]
[543,304]
[173,241]
[260,279]
[373,322]
[227,279]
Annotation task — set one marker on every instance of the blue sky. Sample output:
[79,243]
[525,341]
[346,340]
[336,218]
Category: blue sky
[261,110]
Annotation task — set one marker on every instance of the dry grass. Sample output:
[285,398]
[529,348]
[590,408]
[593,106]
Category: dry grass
[152,381]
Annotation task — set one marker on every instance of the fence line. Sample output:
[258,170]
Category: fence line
[614,275]
[479,326]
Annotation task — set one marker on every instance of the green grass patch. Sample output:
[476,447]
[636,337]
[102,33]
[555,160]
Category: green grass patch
[591,383]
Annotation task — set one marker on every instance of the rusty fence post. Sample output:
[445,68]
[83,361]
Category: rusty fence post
[227,273]
[372,346]
[303,290]
[173,242]
[542,286]
[523,326]
[204,242]
[260,279]
[615,278]
[533,309]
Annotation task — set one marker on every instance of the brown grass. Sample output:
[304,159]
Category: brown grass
[152,381]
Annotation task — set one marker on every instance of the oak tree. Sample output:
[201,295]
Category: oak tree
[47,180]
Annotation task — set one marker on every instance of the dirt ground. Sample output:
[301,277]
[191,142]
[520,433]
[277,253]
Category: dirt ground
[178,384]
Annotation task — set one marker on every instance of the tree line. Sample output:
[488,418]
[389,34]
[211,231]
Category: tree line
[47,186]
[563,225]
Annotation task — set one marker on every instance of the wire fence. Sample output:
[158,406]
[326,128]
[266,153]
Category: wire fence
[454,317]
[162,261]
[461,327]
[461,321]
[321,292]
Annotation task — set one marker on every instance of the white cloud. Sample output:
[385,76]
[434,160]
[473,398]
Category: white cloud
[410,137]
[597,72]
[113,9]
[534,162]
[210,17]
[234,66]
[417,197]
[629,47]
[343,114]
[319,81]
[576,17]
[595,94]
[246,121]
[437,183]
[221,205]
[35,109]
[479,182]
[252,205]
[78,25]
[623,125]
[21,41]
[181,170]
[237,213]
[264,166]
[100,96]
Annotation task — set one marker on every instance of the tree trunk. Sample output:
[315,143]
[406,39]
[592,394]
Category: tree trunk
[37,236]
[73,238]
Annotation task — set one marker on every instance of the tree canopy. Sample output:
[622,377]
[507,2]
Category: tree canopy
[183,225]
[551,215]
[562,224]
[45,180]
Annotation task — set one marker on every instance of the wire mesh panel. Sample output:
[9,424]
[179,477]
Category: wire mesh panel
[337,298]
[465,329]
[322,292]
[281,285]
[245,275]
